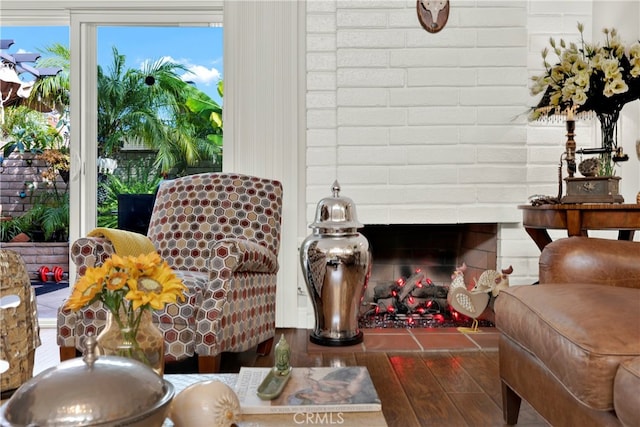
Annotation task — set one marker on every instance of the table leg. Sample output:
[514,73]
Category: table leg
[574,223]
[540,236]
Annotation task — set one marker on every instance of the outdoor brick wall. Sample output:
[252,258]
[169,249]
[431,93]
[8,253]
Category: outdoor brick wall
[16,172]
[40,254]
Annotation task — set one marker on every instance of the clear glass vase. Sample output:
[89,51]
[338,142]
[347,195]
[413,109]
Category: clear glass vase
[144,343]
[609,141]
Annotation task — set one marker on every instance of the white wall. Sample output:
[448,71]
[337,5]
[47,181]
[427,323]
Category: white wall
[417,127]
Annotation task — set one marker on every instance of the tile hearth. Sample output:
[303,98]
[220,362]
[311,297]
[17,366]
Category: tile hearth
[418,339]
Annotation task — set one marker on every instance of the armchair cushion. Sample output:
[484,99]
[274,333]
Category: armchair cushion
[125,242]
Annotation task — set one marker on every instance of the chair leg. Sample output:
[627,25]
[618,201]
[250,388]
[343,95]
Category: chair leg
[264,348]
[209,364]
[510,405]
[67,353]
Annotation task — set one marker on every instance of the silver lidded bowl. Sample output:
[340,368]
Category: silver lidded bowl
[91,391]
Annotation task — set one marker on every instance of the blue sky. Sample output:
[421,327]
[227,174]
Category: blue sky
[197,48]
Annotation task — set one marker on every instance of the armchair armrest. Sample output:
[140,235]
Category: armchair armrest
[101,243]
[89,252]
[591,260]
[230,256]
[241,292]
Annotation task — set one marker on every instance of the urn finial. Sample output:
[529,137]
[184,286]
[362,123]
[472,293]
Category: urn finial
[335,189]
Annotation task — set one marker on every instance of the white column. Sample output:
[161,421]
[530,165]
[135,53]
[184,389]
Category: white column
[263,123]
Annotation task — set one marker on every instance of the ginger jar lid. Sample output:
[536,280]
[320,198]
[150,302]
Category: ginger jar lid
[336,214]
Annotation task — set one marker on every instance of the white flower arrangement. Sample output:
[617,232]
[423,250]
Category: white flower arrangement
[588,77]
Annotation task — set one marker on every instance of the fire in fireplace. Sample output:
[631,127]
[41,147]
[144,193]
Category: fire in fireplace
[412,272]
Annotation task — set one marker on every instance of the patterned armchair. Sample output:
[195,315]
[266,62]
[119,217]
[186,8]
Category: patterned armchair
[221,235]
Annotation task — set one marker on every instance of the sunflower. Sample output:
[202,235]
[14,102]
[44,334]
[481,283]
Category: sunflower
[157,287]
[129,283]
[85,289]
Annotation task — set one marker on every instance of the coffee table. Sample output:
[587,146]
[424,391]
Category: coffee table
[356,419]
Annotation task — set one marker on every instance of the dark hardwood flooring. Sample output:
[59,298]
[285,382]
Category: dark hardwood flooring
[448,388]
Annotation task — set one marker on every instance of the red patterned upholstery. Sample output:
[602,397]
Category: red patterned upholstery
[221,234]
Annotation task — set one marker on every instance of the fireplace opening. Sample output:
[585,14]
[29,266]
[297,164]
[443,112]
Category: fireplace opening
[412,272]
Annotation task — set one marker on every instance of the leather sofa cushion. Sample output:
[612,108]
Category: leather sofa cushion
[580,332]
[626,391]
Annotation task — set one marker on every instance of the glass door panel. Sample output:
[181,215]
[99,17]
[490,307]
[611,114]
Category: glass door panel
[160,97]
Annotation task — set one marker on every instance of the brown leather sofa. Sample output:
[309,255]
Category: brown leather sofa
[570,346]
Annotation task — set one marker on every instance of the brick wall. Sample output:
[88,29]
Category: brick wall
[40,254]
[431,128]
[418,127]
[16,172]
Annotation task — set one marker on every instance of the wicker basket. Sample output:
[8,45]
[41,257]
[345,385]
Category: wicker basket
[19,330]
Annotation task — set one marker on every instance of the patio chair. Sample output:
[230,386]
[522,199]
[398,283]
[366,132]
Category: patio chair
[221,234]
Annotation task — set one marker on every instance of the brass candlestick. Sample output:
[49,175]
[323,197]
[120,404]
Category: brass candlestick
[570,148]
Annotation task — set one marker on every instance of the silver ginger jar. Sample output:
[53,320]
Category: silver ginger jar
[336,263]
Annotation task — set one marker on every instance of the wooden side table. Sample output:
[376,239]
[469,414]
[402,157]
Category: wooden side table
[577,219]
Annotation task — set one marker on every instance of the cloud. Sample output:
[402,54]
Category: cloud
[198,74]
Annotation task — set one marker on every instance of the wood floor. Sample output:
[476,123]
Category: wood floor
[417,388]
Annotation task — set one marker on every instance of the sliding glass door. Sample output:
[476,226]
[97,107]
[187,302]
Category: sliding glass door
[159,114]
[127,131]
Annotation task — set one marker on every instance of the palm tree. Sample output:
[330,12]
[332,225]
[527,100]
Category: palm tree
[53,91]
[150,105]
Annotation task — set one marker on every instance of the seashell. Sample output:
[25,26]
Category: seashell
[205,404]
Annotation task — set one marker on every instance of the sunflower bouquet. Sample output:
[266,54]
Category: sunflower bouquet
[129,287]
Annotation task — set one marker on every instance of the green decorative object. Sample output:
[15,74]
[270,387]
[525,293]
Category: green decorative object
[273,384]
[283,356]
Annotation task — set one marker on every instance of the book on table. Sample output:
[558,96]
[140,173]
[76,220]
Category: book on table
[316,389]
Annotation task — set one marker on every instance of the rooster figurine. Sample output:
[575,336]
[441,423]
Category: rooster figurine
[464,301]
[493,281]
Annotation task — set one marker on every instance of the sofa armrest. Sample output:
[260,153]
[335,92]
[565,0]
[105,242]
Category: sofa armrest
[591,260]
[626,389]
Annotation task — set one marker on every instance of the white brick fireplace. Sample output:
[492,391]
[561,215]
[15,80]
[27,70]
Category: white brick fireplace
[424,128]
